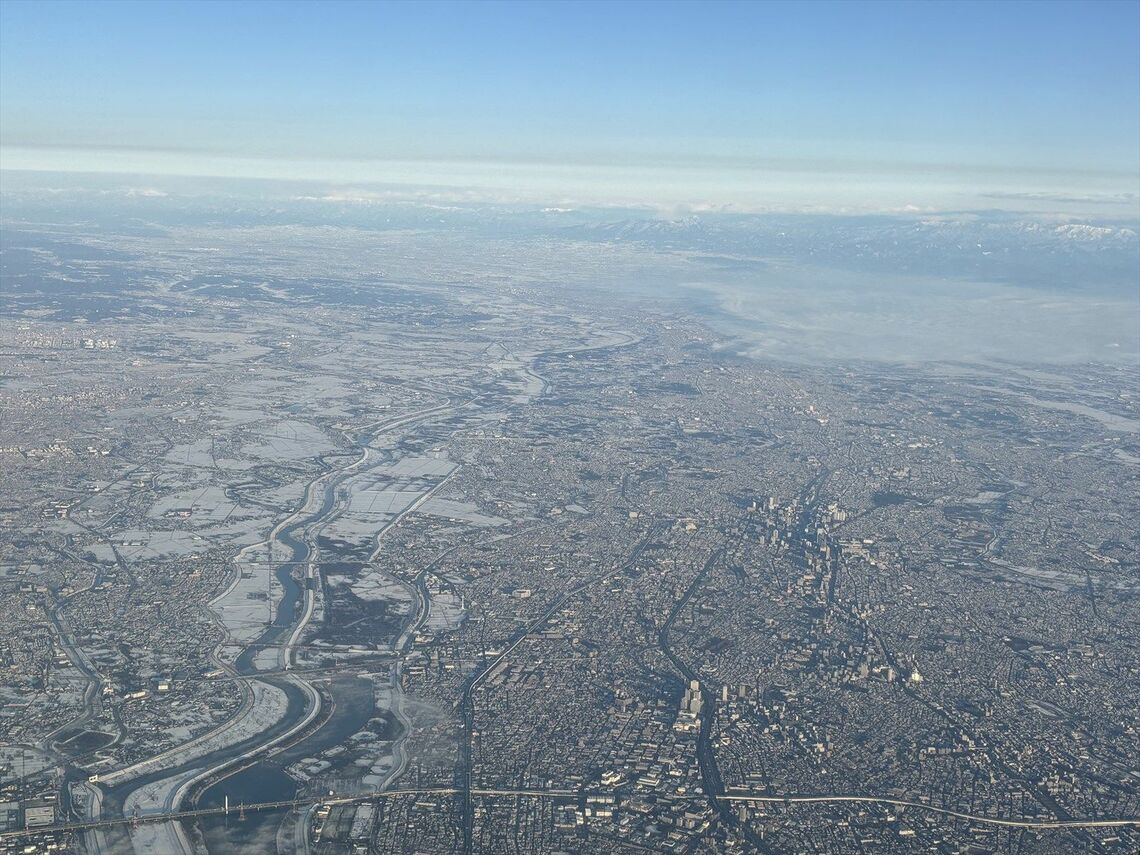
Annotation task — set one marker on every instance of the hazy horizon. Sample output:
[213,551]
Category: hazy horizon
[770,106]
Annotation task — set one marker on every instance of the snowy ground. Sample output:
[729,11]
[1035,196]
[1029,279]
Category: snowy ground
[268,707]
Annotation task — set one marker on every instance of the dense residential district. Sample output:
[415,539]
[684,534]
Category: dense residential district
[369,551]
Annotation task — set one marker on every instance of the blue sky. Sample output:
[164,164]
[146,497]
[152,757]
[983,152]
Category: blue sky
[891,90]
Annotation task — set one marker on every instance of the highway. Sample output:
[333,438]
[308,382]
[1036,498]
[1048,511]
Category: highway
[746,796]
[731,796]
